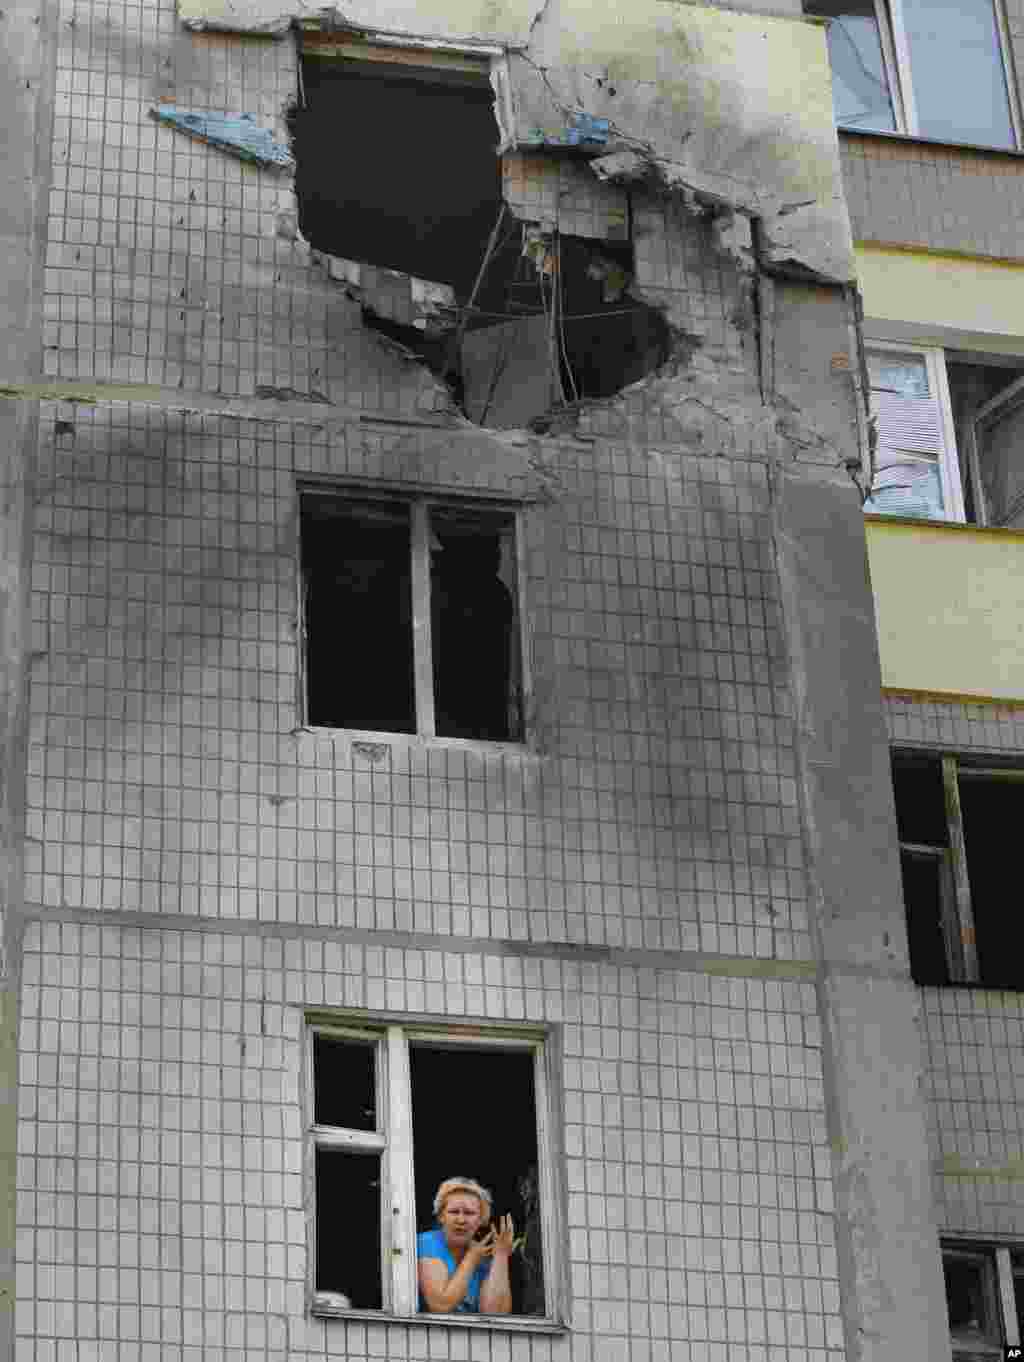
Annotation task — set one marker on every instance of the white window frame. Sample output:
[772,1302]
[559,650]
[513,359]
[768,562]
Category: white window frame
[393,1139]
[999,1255]
[420,501]
[934,357]
[892,33]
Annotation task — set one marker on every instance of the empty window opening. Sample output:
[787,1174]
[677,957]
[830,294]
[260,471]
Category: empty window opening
[988,415]
[972,1300]
[348,1188]
[396,164]
[358,614]
[957,824]
[494,1140]
[411,617]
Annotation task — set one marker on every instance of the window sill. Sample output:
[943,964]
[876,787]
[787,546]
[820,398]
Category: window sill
[357,737]
[516,1324]
[914,139]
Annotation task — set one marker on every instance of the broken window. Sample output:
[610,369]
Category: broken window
[397,1109]
[980,1298]
[921,67]
[957,823]
[411,616]
[950,434]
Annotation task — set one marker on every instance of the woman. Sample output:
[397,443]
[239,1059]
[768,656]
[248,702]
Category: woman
[454,1274]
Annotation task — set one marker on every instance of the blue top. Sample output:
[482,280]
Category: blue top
[433,1244]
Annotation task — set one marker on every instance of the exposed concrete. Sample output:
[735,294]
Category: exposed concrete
[807,329]
[733,108]
[891,1278]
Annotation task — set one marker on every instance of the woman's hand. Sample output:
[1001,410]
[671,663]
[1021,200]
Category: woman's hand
[481,1249]
[504,1238]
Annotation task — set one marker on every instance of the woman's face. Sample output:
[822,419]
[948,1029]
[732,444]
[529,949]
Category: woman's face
[462,1216]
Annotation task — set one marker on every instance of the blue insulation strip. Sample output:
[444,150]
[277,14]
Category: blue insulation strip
[234,132]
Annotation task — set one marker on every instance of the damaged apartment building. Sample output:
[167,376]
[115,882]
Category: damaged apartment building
[446,729]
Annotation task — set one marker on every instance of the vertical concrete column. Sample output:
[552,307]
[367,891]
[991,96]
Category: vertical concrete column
[26,103]
[890,1269]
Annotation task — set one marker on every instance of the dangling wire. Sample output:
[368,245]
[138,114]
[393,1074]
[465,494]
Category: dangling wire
[561,324]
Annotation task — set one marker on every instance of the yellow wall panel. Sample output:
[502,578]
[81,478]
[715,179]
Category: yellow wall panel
[949,601]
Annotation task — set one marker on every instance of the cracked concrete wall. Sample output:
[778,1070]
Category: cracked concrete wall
[668,871]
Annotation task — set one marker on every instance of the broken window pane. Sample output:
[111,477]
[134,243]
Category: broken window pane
[860,86]
[474,625]
[908,420]
[358,613]
[348,1229]
[345,1083]
[497,1146]
[992,816]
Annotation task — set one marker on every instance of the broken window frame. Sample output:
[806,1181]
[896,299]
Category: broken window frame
[956,908]
[419,504]
[898,64]
[947,461]
[997,1260]
[392,1036]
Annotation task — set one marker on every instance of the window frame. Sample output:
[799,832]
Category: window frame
[999,1256]
[419,500]
[896,59]
[393,1034]
[934,357]
[957,912]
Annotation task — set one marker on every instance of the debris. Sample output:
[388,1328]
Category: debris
[238,133]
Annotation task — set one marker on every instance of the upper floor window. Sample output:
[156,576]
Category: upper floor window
[411,615]
[950,435]
[958,824]
[928,68]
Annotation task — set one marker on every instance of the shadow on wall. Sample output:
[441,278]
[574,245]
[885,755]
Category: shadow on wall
[397,167]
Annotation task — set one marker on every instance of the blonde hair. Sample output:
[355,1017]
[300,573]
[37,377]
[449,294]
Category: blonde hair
[469,1185]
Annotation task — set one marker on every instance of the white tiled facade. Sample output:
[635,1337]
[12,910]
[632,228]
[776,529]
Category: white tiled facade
[202,870]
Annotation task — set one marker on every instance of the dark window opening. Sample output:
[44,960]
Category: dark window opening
[925,863]
[358,614]
[991,469]
[565,329]
[370,643]
[971,1299]
[993,815]
[345,1082]
[397,166]
[493,1139]
[348,1229]
[957,824]
[474,633]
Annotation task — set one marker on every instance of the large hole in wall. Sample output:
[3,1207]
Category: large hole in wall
[397,169]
